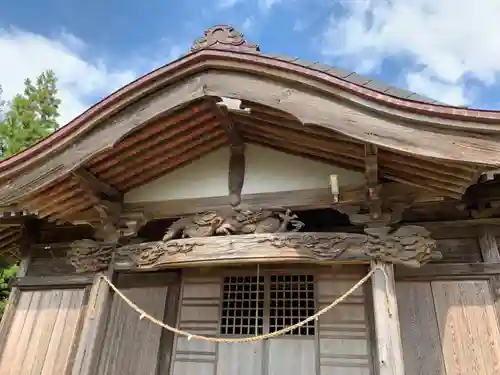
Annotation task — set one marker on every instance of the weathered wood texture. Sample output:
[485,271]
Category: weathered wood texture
[468,326]
[389,360]
[449,327]
[419,329]
[199,313]
[53,282]
[340,346]
[94,325]
[344,342]
[43,332]
[464,271]
[50,266]
[296,247]
[131,346]
[459,250]
[309,107]
[489,250]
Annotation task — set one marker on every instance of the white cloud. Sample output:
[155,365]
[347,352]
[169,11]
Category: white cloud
[227,3]
[433,88]
[447,40]
[248,24]
[266,5]
[26,55]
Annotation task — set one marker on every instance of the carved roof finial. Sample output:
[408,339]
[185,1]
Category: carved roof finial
[224,36]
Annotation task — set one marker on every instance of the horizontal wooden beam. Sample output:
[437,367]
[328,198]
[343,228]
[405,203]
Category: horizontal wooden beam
[448,271]
[266,248]
[296,200]
[65,281]
[150,279]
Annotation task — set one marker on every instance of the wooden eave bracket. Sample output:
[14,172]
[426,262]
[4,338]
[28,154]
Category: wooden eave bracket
[98,187]
[109,205]
[380,204]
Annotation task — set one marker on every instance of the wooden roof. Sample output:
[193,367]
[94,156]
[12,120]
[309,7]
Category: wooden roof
[169,118]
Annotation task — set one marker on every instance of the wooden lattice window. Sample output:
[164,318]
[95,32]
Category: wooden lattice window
[252,305]
[243,305]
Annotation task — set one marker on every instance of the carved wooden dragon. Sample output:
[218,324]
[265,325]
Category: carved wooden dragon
[233,222]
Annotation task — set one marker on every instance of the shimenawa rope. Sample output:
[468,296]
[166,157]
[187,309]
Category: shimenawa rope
[144,315]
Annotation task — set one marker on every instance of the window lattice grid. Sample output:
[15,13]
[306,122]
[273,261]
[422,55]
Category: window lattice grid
[242,306]
[291,300]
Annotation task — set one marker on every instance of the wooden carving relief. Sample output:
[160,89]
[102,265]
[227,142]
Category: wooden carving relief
[410,246]
[231,222]
[224,36]
[90,256]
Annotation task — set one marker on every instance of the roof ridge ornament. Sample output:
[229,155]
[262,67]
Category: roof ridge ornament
[226,37]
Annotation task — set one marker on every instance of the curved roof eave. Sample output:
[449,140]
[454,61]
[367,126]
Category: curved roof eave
[453,118]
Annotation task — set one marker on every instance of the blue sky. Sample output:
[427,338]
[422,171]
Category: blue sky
[441,49]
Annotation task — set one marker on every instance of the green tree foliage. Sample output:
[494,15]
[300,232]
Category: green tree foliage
[6,274]
[29,117]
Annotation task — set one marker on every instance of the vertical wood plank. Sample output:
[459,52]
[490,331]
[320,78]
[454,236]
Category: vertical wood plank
[291,356]
[167,340]
[14,336]
[70,332]
[39,343]
[343,332]
[57,333]
[140,339]
[242,359]
[390,351]
[130,345]
[489,247]
[199,313]
[489,251]
[25,335]
[419,329]
[370,327]
[468,327]
[10,308]
[93,330]
[39,338]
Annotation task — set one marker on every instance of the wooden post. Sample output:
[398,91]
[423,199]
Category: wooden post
[94,327]
[389,360]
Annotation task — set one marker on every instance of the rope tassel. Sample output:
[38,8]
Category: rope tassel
[190,336]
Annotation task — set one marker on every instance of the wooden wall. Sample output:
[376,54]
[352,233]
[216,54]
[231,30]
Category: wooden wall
[344,342]
[449,328]
[339,347]
[133,346]
[42,331]
[458,245]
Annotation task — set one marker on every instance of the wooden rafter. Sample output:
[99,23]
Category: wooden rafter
[97,186]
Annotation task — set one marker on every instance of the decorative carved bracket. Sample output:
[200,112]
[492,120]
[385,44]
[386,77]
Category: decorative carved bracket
[90,255]
[231,221]
[359,214]
[224,36]
[94,255]
[108,207]
[410,246]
